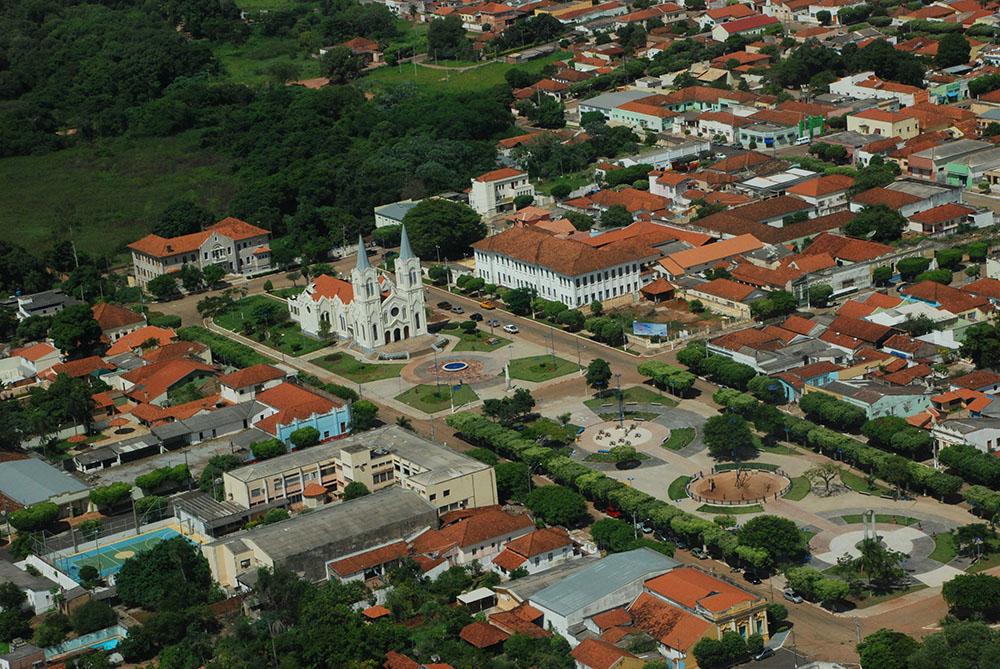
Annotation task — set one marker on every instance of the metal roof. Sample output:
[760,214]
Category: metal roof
[396,210]
[601,579]
[31,481]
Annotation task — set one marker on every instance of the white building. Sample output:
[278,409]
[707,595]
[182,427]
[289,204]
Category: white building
[371,309]
[866,86]
[495,191]
[983,433]
[567,270]
[393,213]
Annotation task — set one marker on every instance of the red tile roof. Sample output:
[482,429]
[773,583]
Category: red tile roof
[905,377]
[847,248]
[799,324]
[873,333]
[982,378]
[597,654]
[679,262]
[154,380]
[251,376]
[824,185]
[749,23]
[500,174]
[989,288]
[372,558]
[137,338]
[174,351]
[482,635]
[540,541]
[376,612]
[942,214]
[882,116]
[692,588]
[292,402]
[329,287]
[161,247]
[77,368]
[669,624]
[518,621]
[894,199]
[34,352]
[113,317]
[726,289]
[612,618]
[950,299]
[487,523]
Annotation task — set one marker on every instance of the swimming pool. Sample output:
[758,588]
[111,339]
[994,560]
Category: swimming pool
[110,644]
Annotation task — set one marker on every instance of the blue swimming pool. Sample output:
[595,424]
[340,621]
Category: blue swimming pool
[110,644]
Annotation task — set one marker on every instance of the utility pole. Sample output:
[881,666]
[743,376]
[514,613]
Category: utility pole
[621,401]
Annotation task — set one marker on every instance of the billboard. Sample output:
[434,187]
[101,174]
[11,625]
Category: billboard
[642,329]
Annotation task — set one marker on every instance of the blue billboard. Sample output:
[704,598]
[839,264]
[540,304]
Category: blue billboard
[641,329]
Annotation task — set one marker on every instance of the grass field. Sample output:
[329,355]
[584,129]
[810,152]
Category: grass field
[476,341]
[475,79]
[730,510]
[778,449]
[800,488]
[106,194]
[360,372]
[677,489]
[987,562]
[944,548]
[426,398]
[887,518]
[858,484]
[540,368]
[872,600]
[286,337]
[248,63]
[633,395]
[679,438]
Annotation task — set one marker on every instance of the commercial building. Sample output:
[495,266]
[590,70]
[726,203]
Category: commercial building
[237,246]
[496,191]
[884,123]
[306,543]
[379,459]
[30,481]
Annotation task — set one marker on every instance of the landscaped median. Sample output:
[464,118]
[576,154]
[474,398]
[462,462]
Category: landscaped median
[432,399]
[349,367]
[540,368]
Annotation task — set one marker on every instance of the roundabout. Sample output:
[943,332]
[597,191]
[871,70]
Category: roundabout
[640,435]
[467,368]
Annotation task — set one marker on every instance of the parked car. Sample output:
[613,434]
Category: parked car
[510,328]
[486,304]
[493,323]
[444,305]
[752,578]
[457,309]
[613,512]
[700,553]
[792,597]
[645,529]
[764,654]
[476,317]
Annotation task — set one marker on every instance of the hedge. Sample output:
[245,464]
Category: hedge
[164,478]
[595,486]
[223,349]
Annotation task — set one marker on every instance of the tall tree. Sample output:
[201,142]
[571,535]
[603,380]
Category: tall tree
[442,227]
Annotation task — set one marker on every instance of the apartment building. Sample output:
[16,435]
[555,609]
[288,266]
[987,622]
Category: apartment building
[379,459]
[495,191]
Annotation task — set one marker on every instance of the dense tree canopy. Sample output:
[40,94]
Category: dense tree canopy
[441,227]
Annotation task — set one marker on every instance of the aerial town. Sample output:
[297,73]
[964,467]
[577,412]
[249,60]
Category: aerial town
[452,334]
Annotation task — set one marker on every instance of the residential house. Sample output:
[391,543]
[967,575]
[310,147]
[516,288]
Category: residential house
[945,220]
[965,305]
[878,399]
[495,191]
[930,163]
[475,535]
[983,433]
[867,86]
[365,50]
[535,552]
[746,27]
[45,303]
[39,591]
[25,363]
[713,17]
[884,123]
[971,169]
[794,381]
[696,260]
[116,321]
[726,297]
[237,246]
[243,384]
[982,380]
[598,654]
[828,194]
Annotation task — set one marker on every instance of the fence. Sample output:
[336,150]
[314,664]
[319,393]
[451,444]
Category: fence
[45,543]
[108,635]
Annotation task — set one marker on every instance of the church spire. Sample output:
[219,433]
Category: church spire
[363,263]
[405,252]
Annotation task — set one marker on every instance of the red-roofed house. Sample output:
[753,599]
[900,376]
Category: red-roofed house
[243,384]
[846,250]
[496,190]
[535,552]
[90,366]
[675,629]
[481,536]
[751,25]
[116,321]
[884,123]
[942,220]
[152,384]
[982,380]
[240,248]
[483,635]
[598,654]
[28,361]
[291,406]
[826,193]
[968,306]
[138,338]
[725,296]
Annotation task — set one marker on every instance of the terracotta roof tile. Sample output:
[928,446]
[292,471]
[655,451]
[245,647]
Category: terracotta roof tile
[488,523]
[982,378]
[155,379]
[749,23]
[612,618]
[855,309]
[372,558]
[872,333]
[847,248]
[894,199]
[111,316]
[680,261]
[500,174]
[950,299]
[692,588]
[292,402]
[824,185]
[669,624]
[725,289]
[989,288]
[597,654]
[329,287]
[482,635]
[251,376]
[34,352]
[137,338]
[799,324]
[540,541]
[77,368]
[942,214]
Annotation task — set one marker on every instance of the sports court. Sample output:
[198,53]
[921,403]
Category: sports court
[109,559]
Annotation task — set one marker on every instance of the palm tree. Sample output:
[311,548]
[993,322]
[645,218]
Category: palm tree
[404,422]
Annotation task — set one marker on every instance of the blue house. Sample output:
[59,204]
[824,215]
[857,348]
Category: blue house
[288,407]
[794,381]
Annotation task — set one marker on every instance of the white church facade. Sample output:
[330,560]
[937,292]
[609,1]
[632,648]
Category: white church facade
[371,309]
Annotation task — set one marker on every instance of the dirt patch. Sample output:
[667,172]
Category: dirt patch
[751,486]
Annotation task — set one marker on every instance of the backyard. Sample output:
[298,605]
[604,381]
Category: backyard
[538,368]
[431,399]
[356,370]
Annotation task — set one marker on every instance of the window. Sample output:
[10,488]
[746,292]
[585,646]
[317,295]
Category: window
[446,493]
[255,492]
[244,564]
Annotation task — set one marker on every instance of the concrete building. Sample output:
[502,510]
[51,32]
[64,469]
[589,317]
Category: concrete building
[606,102]
[237,246]
[969,170]
[23,655]
[535,552]
[379,459]
[496,191]
[371,309]
[613,581]
[40,591]
[884,123]
[878,399]
[866,86]
[31,480]
[45,303]
[983,433]
[726,297]
[306,543]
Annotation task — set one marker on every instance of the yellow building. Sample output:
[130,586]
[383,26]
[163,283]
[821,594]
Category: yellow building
[884,123]
[379,459]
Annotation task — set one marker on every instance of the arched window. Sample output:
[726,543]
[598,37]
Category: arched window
[369,289]
[413,277]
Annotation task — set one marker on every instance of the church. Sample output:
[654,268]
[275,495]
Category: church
[371,309]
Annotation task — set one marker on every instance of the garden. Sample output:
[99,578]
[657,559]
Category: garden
[266,320]
[358,371]
[539,368]
[432,399]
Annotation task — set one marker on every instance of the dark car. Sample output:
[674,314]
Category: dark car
[764,654]
[476,317]
[493,323]
[752,578]
[444,305]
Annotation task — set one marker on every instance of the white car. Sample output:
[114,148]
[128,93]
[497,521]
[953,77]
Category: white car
[510,328]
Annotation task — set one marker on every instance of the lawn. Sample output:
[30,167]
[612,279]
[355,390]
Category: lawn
[800,488]
[286,337]
[574,180]
[679,438]
[872,600]
[678,488]
[478,341]
[632,395]
[540,368]
[886,518]
[988,562]
[107,193]
[473,80]
[431,399]
[356,370]
[730,510]
[944,548]
[778,449]
[858,484]
[247,63]
[285,293]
